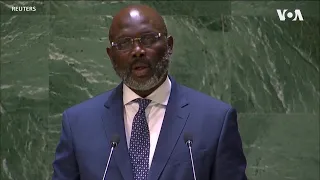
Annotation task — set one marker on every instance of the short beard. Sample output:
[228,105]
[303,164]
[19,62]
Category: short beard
[160,70]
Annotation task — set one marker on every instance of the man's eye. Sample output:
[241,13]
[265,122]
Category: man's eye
[124,44]
[123,41]
[149,39]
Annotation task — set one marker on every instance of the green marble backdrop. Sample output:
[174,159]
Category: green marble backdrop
[238,52]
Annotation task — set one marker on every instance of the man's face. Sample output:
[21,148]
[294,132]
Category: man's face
[144,63]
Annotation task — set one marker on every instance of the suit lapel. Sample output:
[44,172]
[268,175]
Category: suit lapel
[114,124]
[174,121]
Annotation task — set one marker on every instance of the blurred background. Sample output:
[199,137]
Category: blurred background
[237,51]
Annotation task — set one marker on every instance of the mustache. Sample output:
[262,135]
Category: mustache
[140,61]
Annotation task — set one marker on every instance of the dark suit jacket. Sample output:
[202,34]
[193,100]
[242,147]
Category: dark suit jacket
[84,146]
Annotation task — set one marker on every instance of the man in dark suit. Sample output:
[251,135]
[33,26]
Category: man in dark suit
[150,113]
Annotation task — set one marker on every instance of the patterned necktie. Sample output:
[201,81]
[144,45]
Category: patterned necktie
[140,142]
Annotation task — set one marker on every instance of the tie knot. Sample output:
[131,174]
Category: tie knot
[143,103]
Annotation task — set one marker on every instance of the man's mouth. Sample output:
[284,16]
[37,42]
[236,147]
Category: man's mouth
[140,70]
[140,66]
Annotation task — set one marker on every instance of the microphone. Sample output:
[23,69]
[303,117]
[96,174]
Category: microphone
[188,140]
[114,142]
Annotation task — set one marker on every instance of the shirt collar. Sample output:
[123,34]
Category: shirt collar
[160,95]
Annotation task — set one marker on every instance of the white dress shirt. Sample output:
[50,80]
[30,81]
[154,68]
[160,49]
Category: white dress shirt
[154,112]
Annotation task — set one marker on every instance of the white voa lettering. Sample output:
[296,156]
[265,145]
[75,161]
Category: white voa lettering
[284,13]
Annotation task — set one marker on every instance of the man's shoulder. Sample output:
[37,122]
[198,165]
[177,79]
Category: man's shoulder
[95,102]
[204,100]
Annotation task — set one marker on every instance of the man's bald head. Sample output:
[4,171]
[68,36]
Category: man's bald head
[136,15]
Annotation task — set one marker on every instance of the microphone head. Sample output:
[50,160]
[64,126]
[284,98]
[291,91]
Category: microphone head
[115,140]
[187,138]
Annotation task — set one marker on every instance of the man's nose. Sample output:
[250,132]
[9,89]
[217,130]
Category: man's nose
[138,50]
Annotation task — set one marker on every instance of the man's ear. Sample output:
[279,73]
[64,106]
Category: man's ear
[110,54]
[170,43]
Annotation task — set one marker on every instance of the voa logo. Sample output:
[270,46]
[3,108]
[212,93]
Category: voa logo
[283,14]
